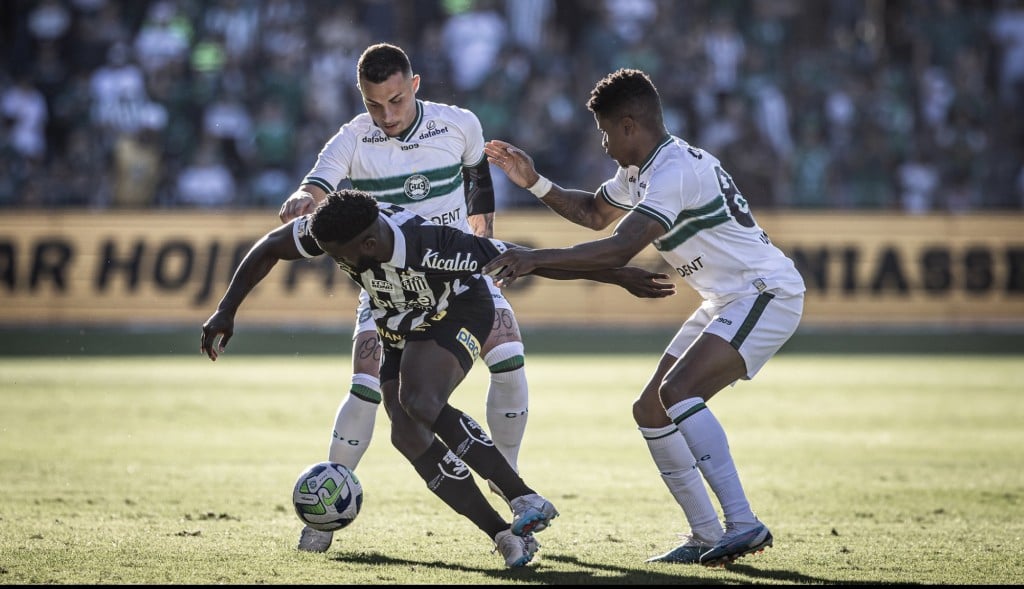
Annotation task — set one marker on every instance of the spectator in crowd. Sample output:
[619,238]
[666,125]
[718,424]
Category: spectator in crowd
[871,78]
[206,181]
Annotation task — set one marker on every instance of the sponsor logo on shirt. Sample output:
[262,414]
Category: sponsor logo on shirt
[432,130]
[377,137]
[691,268]
[381,285]
[433,259]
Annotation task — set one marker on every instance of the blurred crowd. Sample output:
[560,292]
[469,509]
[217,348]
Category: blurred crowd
[842,104]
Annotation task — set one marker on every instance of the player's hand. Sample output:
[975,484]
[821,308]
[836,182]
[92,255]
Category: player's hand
[298,204]
[509,266]
[516,163]
[644,284]
[221,324]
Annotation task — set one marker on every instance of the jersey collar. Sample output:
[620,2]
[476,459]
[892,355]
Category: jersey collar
[411,131]
[654,153]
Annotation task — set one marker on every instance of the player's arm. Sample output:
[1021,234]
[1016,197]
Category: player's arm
[632,235]
[588,209]
[479,189]
[638,281]
[278,244]
[301,202]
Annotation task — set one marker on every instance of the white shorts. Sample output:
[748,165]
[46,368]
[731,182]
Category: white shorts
[756,325]
[364,319]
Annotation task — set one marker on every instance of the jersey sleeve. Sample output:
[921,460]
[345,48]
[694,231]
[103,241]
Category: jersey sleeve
[472,130]
[670,190]
[304,239]
[334,163]
[615,190]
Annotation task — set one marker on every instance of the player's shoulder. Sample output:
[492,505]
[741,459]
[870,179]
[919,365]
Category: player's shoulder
[401,216]
[675,155]
[457,115]
[361,125]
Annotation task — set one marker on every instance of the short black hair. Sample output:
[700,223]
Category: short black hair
[381,61]
[343,215]
[627,92]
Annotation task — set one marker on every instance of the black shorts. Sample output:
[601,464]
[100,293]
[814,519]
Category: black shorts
[461,329]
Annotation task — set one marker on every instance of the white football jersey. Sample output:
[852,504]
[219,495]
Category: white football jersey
[420,170]
[711,237]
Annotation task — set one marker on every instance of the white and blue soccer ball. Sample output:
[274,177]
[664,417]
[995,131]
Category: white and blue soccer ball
[327,496]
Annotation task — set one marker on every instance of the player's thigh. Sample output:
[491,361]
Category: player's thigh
[737,339]
[757,327]
[438,356]
[505,328]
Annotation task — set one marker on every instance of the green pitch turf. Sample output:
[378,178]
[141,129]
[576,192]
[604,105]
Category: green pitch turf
[150,469]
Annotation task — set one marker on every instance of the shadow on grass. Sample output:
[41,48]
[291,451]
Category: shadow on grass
[602,574]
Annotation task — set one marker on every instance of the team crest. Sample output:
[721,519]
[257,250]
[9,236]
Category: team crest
[414,283]
[417,187]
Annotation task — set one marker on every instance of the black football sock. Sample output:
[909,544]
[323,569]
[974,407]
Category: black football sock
[470,443]
[449,478]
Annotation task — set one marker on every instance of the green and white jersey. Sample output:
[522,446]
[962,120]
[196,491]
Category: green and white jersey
[711,237]
[421,170]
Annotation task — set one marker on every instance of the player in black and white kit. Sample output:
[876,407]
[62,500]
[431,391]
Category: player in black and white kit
[680,199]
[432,310]
[426,157]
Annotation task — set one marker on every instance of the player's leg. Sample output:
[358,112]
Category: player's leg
[678,468]
[453,342]
[356,415]
[739,339]
[507,406]
[673,458]
[444,473]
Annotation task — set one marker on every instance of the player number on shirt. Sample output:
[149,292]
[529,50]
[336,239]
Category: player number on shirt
[738,207]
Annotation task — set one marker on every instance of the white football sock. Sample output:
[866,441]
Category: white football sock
[353,425]
[507,400]
[678,469]
[707,441]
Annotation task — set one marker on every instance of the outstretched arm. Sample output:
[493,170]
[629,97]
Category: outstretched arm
[261,258]
[580,207]
[638,281]
[633,234]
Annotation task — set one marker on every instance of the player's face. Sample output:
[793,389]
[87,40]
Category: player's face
[353,253]
[613,139]
[392,103]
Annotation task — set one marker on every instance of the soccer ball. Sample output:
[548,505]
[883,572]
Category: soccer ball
[327,496]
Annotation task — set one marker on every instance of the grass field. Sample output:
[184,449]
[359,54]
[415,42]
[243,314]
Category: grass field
[149,469]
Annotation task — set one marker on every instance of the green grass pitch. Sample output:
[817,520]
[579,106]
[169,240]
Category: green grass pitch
[150,469]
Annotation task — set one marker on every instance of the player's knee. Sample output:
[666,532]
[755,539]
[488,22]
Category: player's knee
[648,410]
[409,441]
[420,405]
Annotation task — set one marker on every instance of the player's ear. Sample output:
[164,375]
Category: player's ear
[628,125]
[415,83]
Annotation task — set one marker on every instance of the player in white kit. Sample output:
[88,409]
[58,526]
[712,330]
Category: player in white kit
[428,158]
[680,199]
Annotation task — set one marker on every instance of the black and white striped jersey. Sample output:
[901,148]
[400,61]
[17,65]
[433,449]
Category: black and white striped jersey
[430,266]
